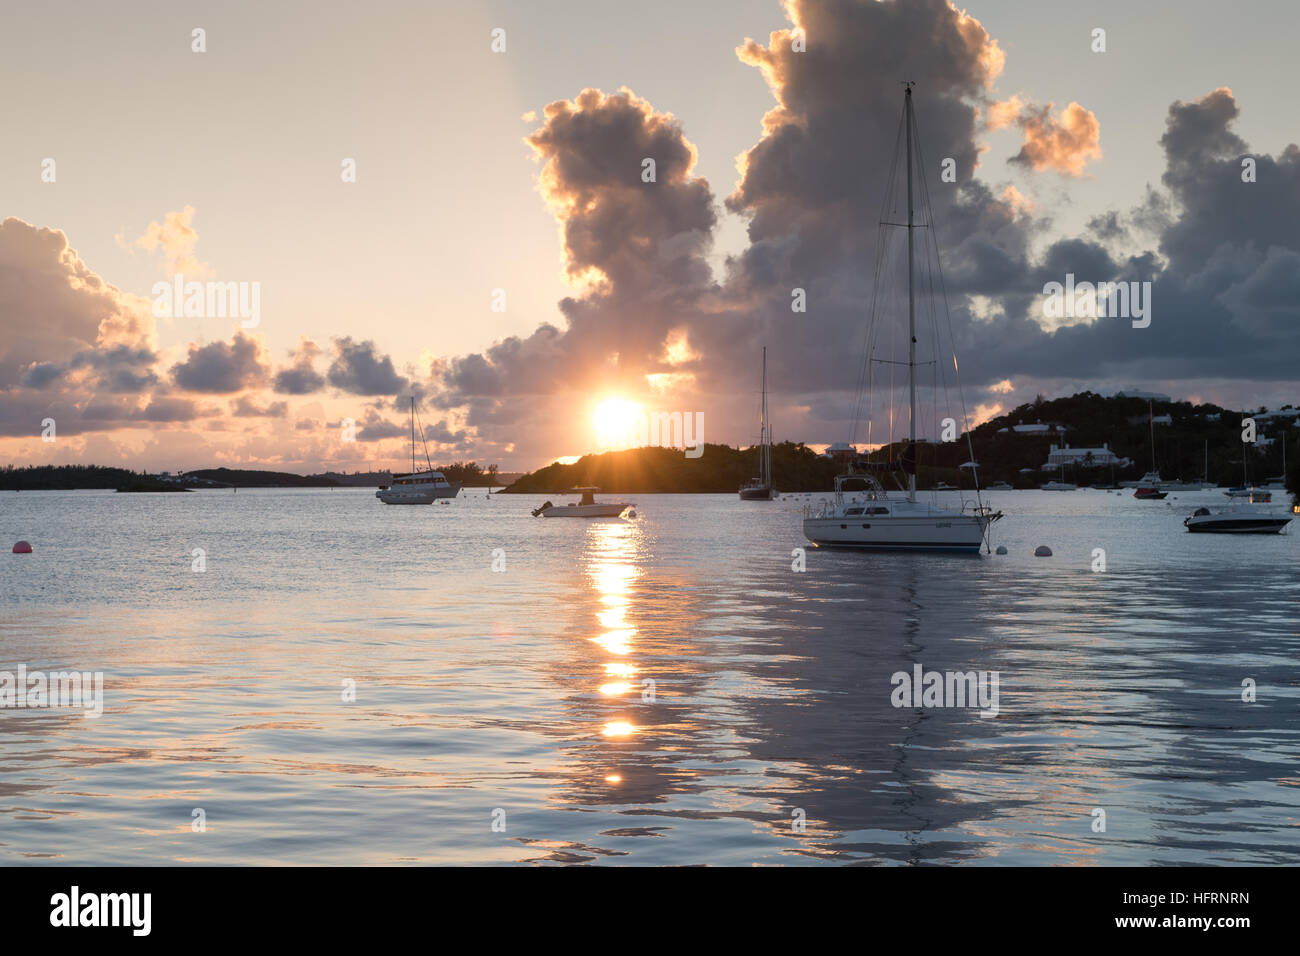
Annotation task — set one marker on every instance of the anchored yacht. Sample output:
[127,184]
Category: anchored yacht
[417,488]
[862,515]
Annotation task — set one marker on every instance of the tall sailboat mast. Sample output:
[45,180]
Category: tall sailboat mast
[1151,420]
[911,308]
[412,434]
[765,465]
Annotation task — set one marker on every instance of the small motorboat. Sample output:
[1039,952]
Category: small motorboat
[587,507]
[1237,519]
[1060,486]
[1149,493]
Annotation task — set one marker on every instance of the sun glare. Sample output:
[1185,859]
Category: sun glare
[615,422]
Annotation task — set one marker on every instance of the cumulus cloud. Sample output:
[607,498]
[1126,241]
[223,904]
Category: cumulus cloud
[374,427]
[300,376]
[1064,143]
[358,368]
[175,239]
[245,407]
[221,367]
[53,306]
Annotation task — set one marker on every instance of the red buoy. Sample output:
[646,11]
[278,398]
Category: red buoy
[22,547]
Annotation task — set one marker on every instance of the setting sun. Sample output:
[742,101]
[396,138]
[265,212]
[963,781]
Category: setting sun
[615,422]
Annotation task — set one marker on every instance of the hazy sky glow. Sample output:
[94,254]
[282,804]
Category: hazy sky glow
[521,171]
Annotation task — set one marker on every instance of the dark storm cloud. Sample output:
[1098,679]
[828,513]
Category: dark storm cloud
[222,368]
[359,368]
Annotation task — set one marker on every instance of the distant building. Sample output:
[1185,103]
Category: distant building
[841,451]
[1038,428]
[1102,457]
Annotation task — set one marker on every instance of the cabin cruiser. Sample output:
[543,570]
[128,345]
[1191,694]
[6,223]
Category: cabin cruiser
[587,507]
[1237,519]
[1060,486]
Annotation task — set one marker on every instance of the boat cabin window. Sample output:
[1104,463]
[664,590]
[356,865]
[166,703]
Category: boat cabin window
[877,511]
[853,511]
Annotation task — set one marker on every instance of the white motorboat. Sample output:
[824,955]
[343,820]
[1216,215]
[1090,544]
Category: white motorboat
[587,507]
[862,515]
[1237,519]
[417,488]
[1000,486]
[1060,486]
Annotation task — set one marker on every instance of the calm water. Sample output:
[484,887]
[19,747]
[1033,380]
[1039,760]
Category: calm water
[517,695]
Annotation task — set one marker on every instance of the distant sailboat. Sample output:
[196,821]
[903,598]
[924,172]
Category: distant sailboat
[1256,494]
[1149,487]
[862,515]
[760,488]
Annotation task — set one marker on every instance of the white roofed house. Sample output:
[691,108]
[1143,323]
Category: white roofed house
[1062,456]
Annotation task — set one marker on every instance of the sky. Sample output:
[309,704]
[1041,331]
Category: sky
[500,256]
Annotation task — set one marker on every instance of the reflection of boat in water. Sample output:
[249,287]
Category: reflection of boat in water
[875,521]
[760,488]
[417,488]
[1237,519]
[587,507]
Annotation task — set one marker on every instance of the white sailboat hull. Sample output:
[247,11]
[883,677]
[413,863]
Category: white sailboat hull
[419,489]
[934,532]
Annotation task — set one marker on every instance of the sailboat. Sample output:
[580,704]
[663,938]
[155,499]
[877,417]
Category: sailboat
[1148,488]
[417,488]
[862,514]
[1257,494]
[760,488]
